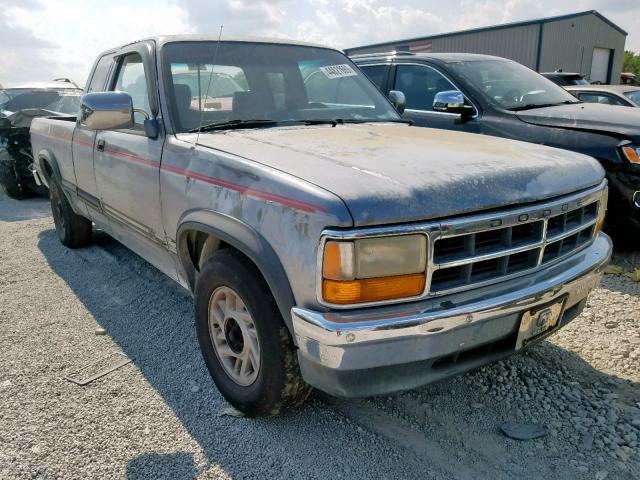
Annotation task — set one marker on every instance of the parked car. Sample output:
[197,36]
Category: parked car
[499,97]
[327,242]
[621,95]
[629,78]
[18,106]
[565,79]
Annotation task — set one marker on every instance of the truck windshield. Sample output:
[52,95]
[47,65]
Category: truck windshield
[63,101]
[512,86]
[261,81]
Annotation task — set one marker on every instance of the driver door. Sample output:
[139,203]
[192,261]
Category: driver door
[127,166]
[420,84]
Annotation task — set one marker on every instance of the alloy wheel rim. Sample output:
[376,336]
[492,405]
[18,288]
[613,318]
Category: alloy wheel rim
[234,336]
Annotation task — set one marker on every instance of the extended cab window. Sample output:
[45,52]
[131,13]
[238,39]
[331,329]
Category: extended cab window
[100,74]
[131,79]
[420,85]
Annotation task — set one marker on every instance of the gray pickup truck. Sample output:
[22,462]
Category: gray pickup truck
[327,242]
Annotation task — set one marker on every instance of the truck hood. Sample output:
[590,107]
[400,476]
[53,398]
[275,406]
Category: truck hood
[391,173]
[619,121]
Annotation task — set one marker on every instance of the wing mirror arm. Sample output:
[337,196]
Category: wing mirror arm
[151,128]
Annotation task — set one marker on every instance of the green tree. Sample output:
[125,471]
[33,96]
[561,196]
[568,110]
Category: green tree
[631,63]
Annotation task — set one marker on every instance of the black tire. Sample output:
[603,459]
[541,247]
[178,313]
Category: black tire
[11,184]
[278,385]
[74,231]
[38,190]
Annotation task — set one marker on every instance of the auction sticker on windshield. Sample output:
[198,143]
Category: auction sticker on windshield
[338,71]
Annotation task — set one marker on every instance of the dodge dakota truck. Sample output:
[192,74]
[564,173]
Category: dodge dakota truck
[326,241]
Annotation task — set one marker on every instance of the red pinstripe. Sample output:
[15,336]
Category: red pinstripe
[243,189]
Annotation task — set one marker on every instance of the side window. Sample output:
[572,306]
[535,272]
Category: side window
[131,79]
[420,85]
[377,74]
[611,100]
[100,74]
[600,98]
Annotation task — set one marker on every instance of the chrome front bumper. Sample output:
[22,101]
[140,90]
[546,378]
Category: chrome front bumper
[380,350]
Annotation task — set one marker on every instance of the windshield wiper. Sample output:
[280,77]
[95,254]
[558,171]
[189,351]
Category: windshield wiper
[256,123]
[231,124]
[530,106]
[342,121]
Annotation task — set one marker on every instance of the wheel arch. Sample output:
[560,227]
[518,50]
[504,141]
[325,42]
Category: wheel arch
[48,166]
[231,232]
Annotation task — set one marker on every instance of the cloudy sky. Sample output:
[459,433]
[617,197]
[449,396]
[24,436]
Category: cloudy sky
[43,39]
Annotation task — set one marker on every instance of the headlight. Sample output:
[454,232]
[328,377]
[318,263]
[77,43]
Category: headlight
[374,269]
[632,153]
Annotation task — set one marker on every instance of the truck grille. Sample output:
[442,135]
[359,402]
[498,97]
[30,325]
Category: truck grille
[476,250]
[490,248]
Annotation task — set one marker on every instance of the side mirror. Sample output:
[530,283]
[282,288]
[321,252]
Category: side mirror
[452,101]
[398,100]
[106,111]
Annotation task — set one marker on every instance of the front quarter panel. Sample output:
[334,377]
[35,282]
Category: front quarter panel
[274,218]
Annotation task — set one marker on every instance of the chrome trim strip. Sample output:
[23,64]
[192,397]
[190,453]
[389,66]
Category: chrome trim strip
[568,233]
[137,227]
[488,256]
[90,199]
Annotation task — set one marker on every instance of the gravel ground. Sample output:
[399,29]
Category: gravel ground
[160,416]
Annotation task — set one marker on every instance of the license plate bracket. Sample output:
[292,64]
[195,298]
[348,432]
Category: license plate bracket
[539,321]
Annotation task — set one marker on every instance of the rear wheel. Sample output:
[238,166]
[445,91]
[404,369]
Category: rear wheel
[244,342]
[74,231]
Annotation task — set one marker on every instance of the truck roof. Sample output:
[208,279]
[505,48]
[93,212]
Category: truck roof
[164,39]
[442,57]
[55,85]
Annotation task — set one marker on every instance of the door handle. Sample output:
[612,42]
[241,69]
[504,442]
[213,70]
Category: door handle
[100,145]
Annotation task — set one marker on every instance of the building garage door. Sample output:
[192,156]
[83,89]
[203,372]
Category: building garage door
[600,65]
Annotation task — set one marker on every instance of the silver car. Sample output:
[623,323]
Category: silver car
[622,95]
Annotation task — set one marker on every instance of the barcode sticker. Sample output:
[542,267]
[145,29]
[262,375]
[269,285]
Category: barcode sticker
[338,71]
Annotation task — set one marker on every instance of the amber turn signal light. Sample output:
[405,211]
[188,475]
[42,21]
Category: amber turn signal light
[373,289]
[631,154]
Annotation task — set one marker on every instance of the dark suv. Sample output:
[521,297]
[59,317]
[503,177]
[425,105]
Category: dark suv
[565,79]
[500,97]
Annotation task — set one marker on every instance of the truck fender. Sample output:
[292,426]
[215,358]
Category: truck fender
[246,240]
[45,156]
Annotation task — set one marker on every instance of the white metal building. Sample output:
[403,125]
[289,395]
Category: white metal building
[584,42]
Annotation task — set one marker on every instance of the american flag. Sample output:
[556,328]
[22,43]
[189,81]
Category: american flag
[421,47]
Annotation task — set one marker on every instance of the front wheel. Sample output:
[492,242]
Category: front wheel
[244,342]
